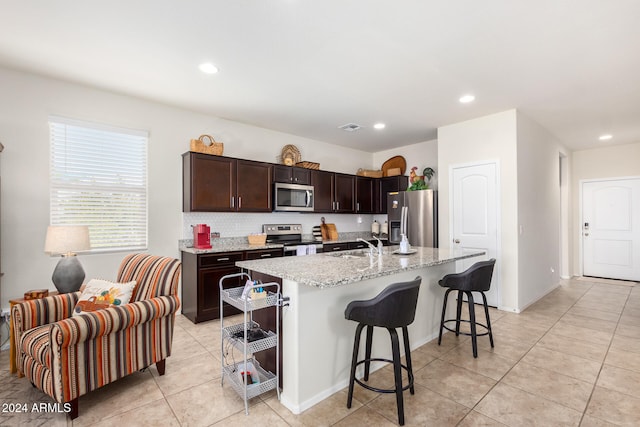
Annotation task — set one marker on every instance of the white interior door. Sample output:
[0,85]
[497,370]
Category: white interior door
[611,229]
[474,217]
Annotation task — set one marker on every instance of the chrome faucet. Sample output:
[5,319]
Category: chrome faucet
[372,248]
[380,245]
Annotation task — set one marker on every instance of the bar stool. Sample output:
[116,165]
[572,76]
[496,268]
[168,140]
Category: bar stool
[476,278]
[394,307]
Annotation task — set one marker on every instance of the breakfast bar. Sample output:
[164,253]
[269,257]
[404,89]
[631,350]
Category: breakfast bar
[317,340]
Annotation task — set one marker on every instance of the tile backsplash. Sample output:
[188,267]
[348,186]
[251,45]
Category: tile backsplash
[234,224]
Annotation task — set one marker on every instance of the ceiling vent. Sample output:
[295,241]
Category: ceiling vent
[350,127]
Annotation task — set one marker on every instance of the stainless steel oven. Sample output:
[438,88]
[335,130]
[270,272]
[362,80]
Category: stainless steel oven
[290,236]
[293,197]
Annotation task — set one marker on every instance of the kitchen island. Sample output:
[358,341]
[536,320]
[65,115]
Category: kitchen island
[317,340]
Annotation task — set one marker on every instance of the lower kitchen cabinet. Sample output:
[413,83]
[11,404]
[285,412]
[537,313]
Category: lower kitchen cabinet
[333,247]
[201,275]
[359,245]
[263,254]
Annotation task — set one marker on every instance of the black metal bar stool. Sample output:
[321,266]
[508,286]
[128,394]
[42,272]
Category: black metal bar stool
[394,307]
[476,278]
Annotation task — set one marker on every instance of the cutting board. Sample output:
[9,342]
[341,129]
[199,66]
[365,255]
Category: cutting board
[329,231]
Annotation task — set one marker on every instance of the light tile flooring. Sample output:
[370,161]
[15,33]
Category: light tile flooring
[573,358]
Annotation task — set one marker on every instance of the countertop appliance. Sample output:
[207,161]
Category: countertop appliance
[289,235]
[201,236]
[292,197]
[415,214]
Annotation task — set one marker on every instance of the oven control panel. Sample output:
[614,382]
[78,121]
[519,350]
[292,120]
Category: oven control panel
[272,229]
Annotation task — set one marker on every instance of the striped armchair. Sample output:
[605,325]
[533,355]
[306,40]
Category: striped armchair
[67,357]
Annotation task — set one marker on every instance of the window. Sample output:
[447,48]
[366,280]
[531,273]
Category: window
[98,177]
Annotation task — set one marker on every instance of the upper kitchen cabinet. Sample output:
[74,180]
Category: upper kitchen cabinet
[223,184]
[345,193]
[365,195]
[291,175]
[322,191]
[254,186]
[333,192]
[390,184]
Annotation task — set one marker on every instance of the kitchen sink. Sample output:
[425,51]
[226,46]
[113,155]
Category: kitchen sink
[350,254]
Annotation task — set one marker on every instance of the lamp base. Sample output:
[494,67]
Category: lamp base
[68,274]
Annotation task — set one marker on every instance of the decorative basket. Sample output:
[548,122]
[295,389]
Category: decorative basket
[369,173]
[394,172]
[257,239]
[308,165]
[209,147]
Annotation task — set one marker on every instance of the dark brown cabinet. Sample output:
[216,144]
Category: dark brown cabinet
[291,175]
[224,184]
[254,186]
[333,192]
[359,245]
[322,191]
[263,254]
[390,184]
[200,284]
[207,182]
[344,193]
[365,199]
[201,274]
[334,247]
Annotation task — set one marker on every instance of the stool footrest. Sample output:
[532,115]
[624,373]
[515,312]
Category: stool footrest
[444,325]
[384,390]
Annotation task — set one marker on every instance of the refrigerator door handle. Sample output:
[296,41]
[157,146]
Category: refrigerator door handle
[403,220]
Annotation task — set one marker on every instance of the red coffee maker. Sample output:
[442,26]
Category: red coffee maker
[201,236]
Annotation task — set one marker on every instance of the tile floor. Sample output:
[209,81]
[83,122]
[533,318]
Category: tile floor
[573,358]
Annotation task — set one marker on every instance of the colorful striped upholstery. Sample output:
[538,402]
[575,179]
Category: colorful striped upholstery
[155,275]
[35,342]
[67,357]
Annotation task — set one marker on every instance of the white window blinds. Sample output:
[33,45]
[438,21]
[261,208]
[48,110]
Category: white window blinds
[98,177]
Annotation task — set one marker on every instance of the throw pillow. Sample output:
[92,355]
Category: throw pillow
[100,294]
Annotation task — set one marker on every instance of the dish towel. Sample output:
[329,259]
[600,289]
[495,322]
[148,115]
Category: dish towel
[301,250]
[311,249]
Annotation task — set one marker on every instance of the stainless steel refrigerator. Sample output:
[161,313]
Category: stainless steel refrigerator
[414,213]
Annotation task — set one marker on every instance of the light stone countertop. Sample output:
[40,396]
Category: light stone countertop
[232,244]
[328,270]
[228,247]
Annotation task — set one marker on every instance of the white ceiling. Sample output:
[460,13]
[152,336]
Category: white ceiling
[306,67]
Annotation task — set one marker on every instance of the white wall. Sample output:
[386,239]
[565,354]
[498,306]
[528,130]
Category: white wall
[539,214]
[607,162]
[528,159]
[489,138]
[25,105]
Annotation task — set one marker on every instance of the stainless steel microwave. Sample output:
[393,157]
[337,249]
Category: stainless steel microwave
[292,197]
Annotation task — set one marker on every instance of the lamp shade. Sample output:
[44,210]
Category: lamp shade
[64,239]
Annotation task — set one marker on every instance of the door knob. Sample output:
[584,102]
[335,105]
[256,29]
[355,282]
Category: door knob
[456,240]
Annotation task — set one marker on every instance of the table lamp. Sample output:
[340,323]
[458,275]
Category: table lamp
[66,240]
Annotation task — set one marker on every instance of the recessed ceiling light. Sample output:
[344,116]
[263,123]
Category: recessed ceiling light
[467,98]
[605,137]
[208,68]
[379,126]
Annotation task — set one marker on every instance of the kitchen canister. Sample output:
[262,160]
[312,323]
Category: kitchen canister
[375,228]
